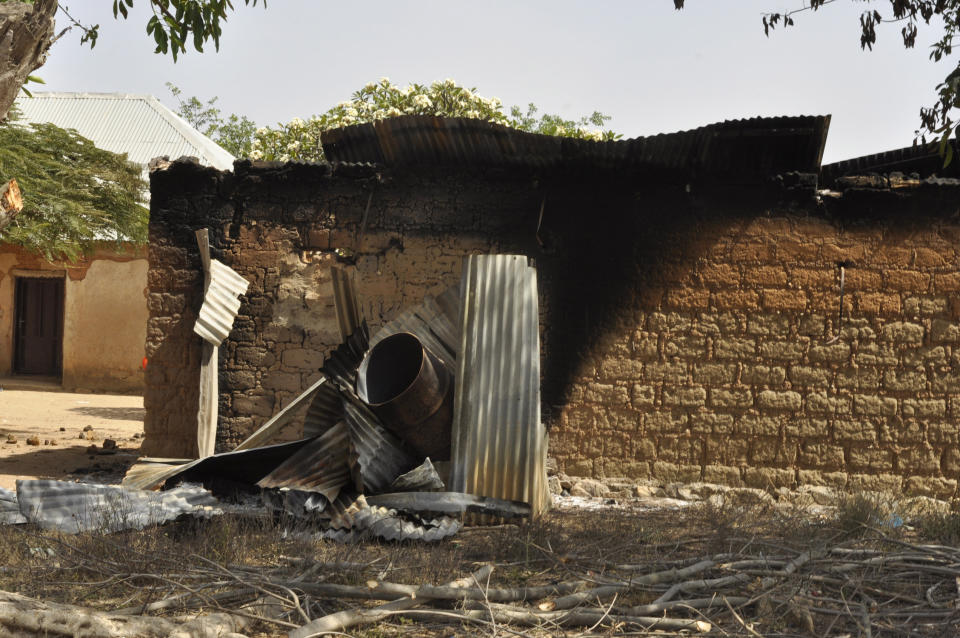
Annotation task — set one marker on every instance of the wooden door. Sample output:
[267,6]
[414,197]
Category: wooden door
[38,330]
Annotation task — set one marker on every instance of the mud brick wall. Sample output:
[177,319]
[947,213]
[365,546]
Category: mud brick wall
[282,227]
[685,335]
[736,368]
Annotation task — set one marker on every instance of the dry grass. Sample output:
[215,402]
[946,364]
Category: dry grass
[867,597]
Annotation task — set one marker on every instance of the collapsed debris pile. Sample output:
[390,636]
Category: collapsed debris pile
[432,422]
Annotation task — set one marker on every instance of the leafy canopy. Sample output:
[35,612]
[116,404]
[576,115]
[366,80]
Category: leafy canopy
[300,139]
[173,25]
[939,119]
[75,194]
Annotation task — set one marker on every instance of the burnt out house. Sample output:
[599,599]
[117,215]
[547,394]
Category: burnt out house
[714,304]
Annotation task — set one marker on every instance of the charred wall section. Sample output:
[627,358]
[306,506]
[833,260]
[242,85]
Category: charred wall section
[687,334]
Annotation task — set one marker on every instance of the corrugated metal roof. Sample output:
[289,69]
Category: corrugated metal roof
[138,125]
[923,159]
[499,444]
[761,145]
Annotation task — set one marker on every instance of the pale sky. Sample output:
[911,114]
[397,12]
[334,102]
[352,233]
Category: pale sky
[653,69]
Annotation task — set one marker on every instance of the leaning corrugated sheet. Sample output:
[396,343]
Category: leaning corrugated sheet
[499,444]
[380,456]
[345,301]
[761,145]
[220,303]
[319,466]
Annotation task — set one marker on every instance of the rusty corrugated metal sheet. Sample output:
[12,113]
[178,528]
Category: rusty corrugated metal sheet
[319,466]
[241,466]
[341,365]
[346,302]
[321,415]
[923,159]
[499,444]
[220,303]
[433,322]
[761,145]
[326,409]
[380,522]
[380,455]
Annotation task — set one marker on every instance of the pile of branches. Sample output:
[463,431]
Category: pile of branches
[869,586]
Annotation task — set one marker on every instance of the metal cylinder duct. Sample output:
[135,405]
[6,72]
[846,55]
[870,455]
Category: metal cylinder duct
[412,391]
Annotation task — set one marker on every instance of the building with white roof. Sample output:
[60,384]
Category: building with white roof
[83,324]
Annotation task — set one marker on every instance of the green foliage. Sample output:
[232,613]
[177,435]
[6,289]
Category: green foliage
[234,133]
[75,194]
[938,120]
[173,25]
[548,124]
[299,139]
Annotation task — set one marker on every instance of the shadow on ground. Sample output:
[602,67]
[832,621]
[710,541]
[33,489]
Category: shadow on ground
[68,462]
[120,414]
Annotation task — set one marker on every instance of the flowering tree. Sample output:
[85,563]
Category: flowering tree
[300,139]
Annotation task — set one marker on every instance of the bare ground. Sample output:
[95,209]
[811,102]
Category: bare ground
[58,420]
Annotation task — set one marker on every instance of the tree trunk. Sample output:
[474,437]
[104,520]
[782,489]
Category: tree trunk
[23,617]
[11,202]
[26,33]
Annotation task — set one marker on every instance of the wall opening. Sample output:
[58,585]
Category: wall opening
[38,326]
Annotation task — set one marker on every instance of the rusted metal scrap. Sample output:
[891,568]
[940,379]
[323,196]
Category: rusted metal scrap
[456,377]
[411,389]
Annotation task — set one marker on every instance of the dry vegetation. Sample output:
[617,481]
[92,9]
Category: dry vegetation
[863,568]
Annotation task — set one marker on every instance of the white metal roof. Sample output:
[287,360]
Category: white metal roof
[138,125]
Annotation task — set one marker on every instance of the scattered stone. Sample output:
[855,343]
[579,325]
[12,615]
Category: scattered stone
[551,466]
[92,449]
[565,481]
[88,428]
[53,442]
[11,438]
[63,429]
[740,497]
[46,441]
[589,487]
[109,444]
[648,491]
[82,436]
[553,484]
[137,435]
[693,491]
[916,506]
[807,495]
[33,440]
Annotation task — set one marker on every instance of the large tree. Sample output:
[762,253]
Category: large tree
[76,196]
[27,31]
[939,120]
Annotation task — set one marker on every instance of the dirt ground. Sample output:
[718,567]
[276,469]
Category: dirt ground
[67,425]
